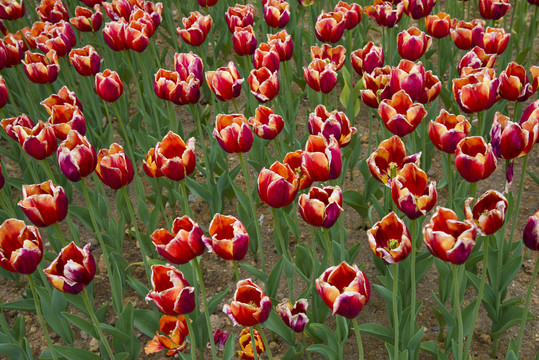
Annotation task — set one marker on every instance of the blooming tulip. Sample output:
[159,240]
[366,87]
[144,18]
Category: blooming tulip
[11,9]
[108,85]
[432,88]
[114,168]
[376,86]
[493,9]
[264,84]
[187,64]
[21,248]
[72,270]
[14,49]
[151,21]
[282,43]
[322,206]
[413,43]
[44,204]
[250,305]
[345,289]
[169,85]
[225,83]
[530,236]
[488,213]
[276,13]
[9,125]
[417,9]
[52,11]
[408,76]
[411,193]
[118,9]
[439,25]
[39,141]
[266,124]
[63,97]
[195,28]
[321,76]
[228,237]
[41,69]
[335,123]
[400,115]
[384,13]
[87,21]
[65,118]
[239,16]
[86,60]
[387,161]
[447,238]
[149,165]
[492,40]
[462,33]
[294,316]
[514,83]
[76,156]
[137,36]
[58,37]
[474,159]
[335,55]
[171,293]
[175,330]
[293,159]
[389,239]
[352,13]
[245,341]
[278,185]
[368,58]
[244,40]
[266,56]
[447,130]
[510,139]
[174,158]
[3,92]
[329,27]
[476,58]
[233,133]
[321,160]
[477,90]
[183,244]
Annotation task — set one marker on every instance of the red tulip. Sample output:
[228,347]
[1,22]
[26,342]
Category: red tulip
[91,3]
[137,36]
[250,305]
[169,85]
[463,31]
[87,21]
[63,97]
[225,83]
[410,77]
[510,139]
[149,166]
[114,168]
[245,341]
[228,238]
[476,58]
[439,25]
[447,130]
[417,9]
[2,179]
[493,9]
[175,330]
[108,85]
[411,193]
[376,86]
[474,159]
[367,59]
[14,49]
[514,83]
[239,16]
[447,238]
[52,11]
[44,204]
[322,206]
[10,124]
[266,56]
[183,244]
[321,76]
[76,156]
[282,43]
[488,213]
[345,289]
[72,270]
[384,13]
[118,9]
[389,158]
[171,293]
[329,27]
[293,159]
[266,124]
[264,84]
[493,40]
[352,13]
[432,88]
[244,40]
[413,43]
[278,185]
[65,118]
[335,55]
[144,18]
[187,64]
[400,115]
[21,248]
[207,3]
[86,60]
[58,37]
[530,235]
[41,69]
[477,90]
[335,123]
[174,158]
[233,133]
[195,28]
[39,141]
[294,316]
[529,121]
[114,35]
[11,9]
[321,160]
[3,92]
[276,13]
[389,239]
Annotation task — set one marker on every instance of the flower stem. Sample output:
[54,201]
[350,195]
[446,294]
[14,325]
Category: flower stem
[519,197]
[253,343]
[236,270]
[358,338]
[6,204]
[265,341]
[304,340]
[456,305]
[160,201]
[62,238]
[192,336]
[186,208]
[412,278]
[277,229]
[124,131]
[527,306]
[206,310]
[40,317]
[329,242]
[395,310]
[95,322]
[449,181]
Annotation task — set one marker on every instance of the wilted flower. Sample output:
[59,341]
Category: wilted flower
[447,130]
[282,43]
[228,237]
[389,239]
[41,69]
[266,124]
[219,338]
[329,27]
[245,341]
[225,83]
[411,193]
[335,55]
[493,9]
[244,40]
[108,85]
[114,168]
[195,28]
[276,13]
[400,115]
[439,25]
[367,59]
[233,133]
[86,60]
[352,13]
[389,158]
[76,156]
[384,13]
[322,206]
[530,236]
[171,292]
[321,76]
[294,316]
[183,244]
[266,56]
[488,213]
[278,185]
[21,248]
[334,123]
[264,84]
[250,305]
[239,16]
[176,330]
[87,21]
[474,159]
[321,160]
[174,158]
[413,43]
[514,83]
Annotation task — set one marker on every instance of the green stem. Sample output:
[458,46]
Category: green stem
[186,208]
[265,341]
[192,336]
[304,340]
[236,270]
[124,131]
[456,305]
[329,245]
[48,169]
[277,229]
[206,310]
[40,317]
[97,327]
[235,106]
[395,310]
[253,343]
[6,204]
[449,181]
[160,202]
[527,306]
[412,278]
[479,124]
[519,197]
[62,238]
[358,338]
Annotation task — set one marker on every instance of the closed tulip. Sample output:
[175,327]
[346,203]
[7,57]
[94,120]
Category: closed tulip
[228,237]
[21,247]
[264,84]
[195,28]
[476,91]
[14,49]
[239,16]
[171,293]
[278,185]
[137,36]
[63,97]
[244,40]
[400,115]
[86,61]
[175,158]
[411,193]
[114,35]
[41,69]
[321,76]
[345,289]
[334,123]
[187,64]
[432,88]
[44,204]
[352,13]
[9,125]
[389,158]
[417,9]
[413,43]
[376,86]
[335,55]
[11,9]
[321,207]
[72,270]
[250,306]
[225,83]
[462,33]
[114,168]
[294,316]
[384,13]
[408,76]
[447,238]
[246,344]
[474,159]
[151,21]
[65,118]
[282,43]
[510,139]
[530,235]
[266,56]
[321,160]
[87,21]
[439,25]
[514,83]
[329,27]
[108,85]
[493,9]
[39,141]
[389,239]
[447,130]
[276,13]
[488,213]
[233,133]
[52,11]
[266,124]
[530,122]
[169,85]
[367,59]
[3,92]
[492,40]
[183,244]
[175,330]
[76,156]
[207,3]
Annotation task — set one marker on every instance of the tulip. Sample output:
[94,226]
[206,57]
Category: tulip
[250,305]
[335,55]
[462,32]
[432,88]
[154,10]
[114,35]
[376,86]
[65,118]
[21,248]
[387,161]
[410,77]
[245,341]
[11,9]
[447,130]
[142,17]
[514,83]
[474,159]
[3,92]
[171,293]
[530,121]
[294,316]
[493,9]
[187,64]
[321,76]
[207,3]
[306,2]
[264,84]
[118,9]
[228,238]
[63,97]
[282,43]
[39,142]
[168,85]
[52,11]
[447,238]
[41,69]
[219,339]
[293,159]
[335,123]
[510,139]
[2,179]
[276,13]
[195,28]
[9,125]
[114,168]
[352,13]
[389,239]
[58,37]
[183,244]
[530,236]
[493,40]
[137,36]
[225,83]
[417,9]
[44,204]
[87,21]
[244,40]
[413,43]
[76,156]
[266,124]
[266,56]
[321,160]
[175,330]
[477,90]
[345,289]
[411,193]
[322,206]
[174,158]
[149,166]
[278,185]
[239,16]
[488,213]
[476,58]
[400,115]
[86,60]
[439,25]
[367,59]
[233,133]
[72,270]
[14,49]
[329,27]
[108,85]
[384,13]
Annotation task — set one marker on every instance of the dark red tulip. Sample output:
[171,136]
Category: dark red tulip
[376,86]
[400,115]
[21,247]
[321,207]
[510,139]
[447,130]
[474,159]
[114,168]
[329,27]
[239,16]
[266,56]
[329,124]
[52,11]
[488,213]
[367,59]
[514,83]
[225,82]
[39,141]
[321,160]
[233,133]
[244,40]
[294,316]
[276,13]
[278,185]
[476,58]
[413,43]
[417,9]
[352,13]
[195,28]
[114,35]
[493,9]
[321,76]
[282,43]
[65,118]
[41,69]
[266,124]
[384,13]
[462,33]
[11,9]
[530,235]
[9,124]
[492,40]
[76,156]
[183,244]
[187,64]
[264,84]
[108,85]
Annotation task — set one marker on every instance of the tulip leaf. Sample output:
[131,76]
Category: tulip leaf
[254,271]
[276,325]
[510,316]
[228,351]
[26,305]
[533,176]
[215,300]
[83,214]
[323,333]
[304,260]
[324,350]
[147,321]
[139,287]
[12,351]
[76,354]
[274,279]
[82,324]
[19,328]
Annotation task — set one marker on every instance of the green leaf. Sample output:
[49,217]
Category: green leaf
[276,325]
[304,260]
[215,300]
[147,321]
[228,351]
[255,272]
[323,333]
[26,305]
[82,324]
[72,353]
[12,351]
[324,350]
[83,214]
[274,279]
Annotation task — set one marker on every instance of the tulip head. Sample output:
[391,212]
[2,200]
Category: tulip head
[233,133]
[150,166]
[276,13]
[174,158]
[41,69]
[329,124]
[65,118]
[76,156]
[278,185]
[9,125]
[44,204]
[400,115]
[293,159]
[321,160]
[294,316]
[352,13]
[476,91]
[39,141]
[514,83]
[114,168]
[187,64]
[376,86]
[389,239]
[493,9]
[321,207]
[108,85]
[244,40]
[86,60]
[462,33]
[384,13]
[411,193]
[387,161]
[175,330]
[63,97]
[195,28]
[250,305]
[408,76]
[169,85]
[183,244]
[240,16]
[266,56]
[530,236]
[447,130]
[228,237]
[225,82]
[245,341]
[321,76]
[476,58]
[417,9]
[12,9]
[335,55]
[492,40]
[171,293]
[329,27]
[52,11]
[114,35]
[413,43]
[21,247]
[488,213]
[137,35]
[266,124]
[367,59]
[439,25]
[87,21]
[511,140]
[264,84]
[474,159]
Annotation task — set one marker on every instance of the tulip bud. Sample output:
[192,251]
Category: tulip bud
[389,158]
[72,270]
[389,239]
[439,25]
[276,13]
[294,316]
[411,193]
[345,289]
[400,115]
[233,133]
[225,83]
[266,124]
[329,27]
[118,9]
[384,13]
[183,244]
[278,185]
[228,238]
[44,204]
[41,69]
[21,247]
[171,293]
[52,11]
[76,156]
[239,16]
[413,43]
[114,35]
[352,13]
[488,213]
[144,18]
[474,159]
[410,77]
[244,40]
[195,28]
[322,206]
[336,55]
[282,44]
[3,92]
[264,84]
[39,142]
[367,59]
[114,168]
[250,305]
[12,9]
[447,130]
[320,76]
[322,159]
[14,49]
[174,158]
[168,85]
[530,236]
[417,9]
[87,21]
[108,85]
[266,56]
[493,10]
[175,330]
[86,60]
[245,341]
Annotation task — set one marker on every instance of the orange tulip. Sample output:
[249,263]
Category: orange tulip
[387,161]
[335,55]
[411,193]
[439,25]
[321,160]
[278,185]
[321,76]
[462,33]
[488,213]
[63,97]
[65,118]
[11,9]
[246,344]
[233,133]
[447,130]
[175,330]
[114,168]
[282,43]
[87,21]
[195,28]
[41,69]
[293,159]
[476,58]
[264,84]
[321,207]
[376,86]
[52,11]
[477,90]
